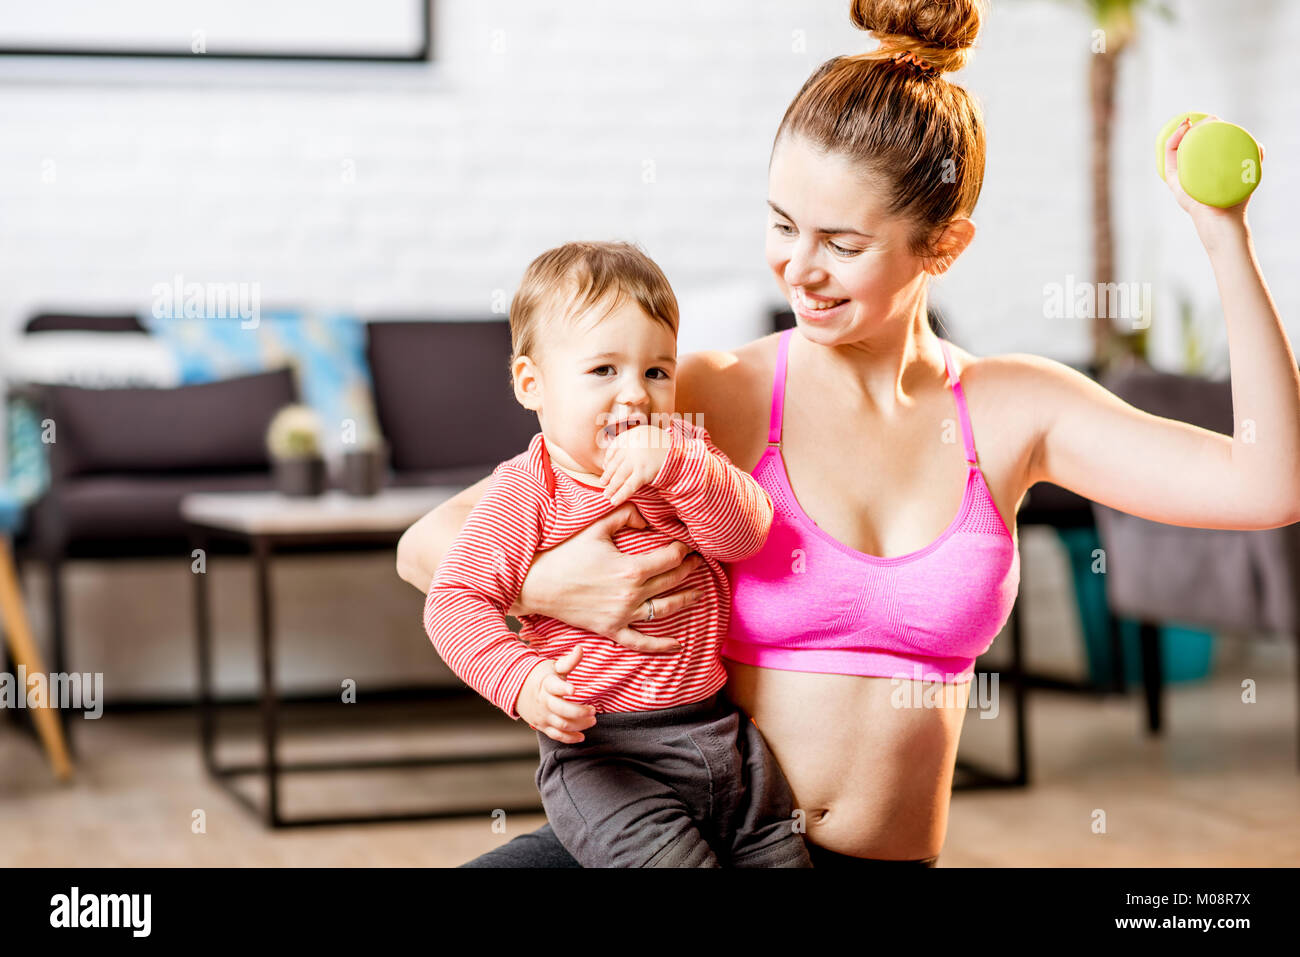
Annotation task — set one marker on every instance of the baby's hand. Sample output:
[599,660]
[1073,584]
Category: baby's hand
[634,458]
[542,705]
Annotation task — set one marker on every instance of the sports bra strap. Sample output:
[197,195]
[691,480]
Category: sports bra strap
[778,396]
[778,389]
[955,381]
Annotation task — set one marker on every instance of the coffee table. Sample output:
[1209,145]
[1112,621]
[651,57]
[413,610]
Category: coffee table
[265,521]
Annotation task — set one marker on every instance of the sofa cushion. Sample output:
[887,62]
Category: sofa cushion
[93,360]
[326,352]
[211,427]
[125,512]
[120,514]
[443,394]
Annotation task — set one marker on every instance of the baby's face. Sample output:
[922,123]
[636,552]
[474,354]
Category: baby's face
[601,376]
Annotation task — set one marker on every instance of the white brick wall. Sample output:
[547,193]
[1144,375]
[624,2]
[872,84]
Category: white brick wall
[422,190]
[426,190]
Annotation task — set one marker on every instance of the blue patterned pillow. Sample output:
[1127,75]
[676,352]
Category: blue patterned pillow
[29,470]
[11,513]
[327,353]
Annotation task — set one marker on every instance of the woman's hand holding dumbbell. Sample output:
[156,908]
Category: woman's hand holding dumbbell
[1212,167]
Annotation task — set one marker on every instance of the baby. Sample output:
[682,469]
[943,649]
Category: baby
[672,774]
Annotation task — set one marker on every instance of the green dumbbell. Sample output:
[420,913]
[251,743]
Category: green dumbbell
[1218,162]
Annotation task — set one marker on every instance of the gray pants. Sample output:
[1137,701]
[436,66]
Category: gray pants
[689,786]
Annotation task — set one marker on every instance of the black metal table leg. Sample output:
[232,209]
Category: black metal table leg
[58,643]
[1119,681]
[203,637]
[271,767]
[980,777]
[1152,679]
[12,715]
[1022,697]
[266,649]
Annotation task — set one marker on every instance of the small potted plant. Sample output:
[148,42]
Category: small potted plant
[293,440]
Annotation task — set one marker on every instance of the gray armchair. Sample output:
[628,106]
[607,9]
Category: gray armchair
[1214,578]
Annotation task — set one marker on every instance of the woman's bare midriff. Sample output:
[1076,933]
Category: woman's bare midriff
[872,778]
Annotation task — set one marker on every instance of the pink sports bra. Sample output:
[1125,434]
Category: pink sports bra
[807,602]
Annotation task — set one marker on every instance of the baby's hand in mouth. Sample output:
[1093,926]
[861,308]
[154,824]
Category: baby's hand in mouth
[633,460]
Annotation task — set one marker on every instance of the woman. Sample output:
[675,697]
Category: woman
[865,437]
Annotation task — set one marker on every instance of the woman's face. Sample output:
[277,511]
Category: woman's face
[843,263]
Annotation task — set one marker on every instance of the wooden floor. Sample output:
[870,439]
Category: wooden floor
[1221,788]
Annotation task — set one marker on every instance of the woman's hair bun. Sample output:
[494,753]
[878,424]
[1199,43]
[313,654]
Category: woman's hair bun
[941,32]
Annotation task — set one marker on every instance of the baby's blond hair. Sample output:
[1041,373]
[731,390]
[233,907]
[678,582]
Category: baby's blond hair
[565,281]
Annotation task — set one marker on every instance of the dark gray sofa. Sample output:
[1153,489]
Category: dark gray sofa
[123,459]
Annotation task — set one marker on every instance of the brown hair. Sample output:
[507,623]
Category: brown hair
[911,130]
[564,281]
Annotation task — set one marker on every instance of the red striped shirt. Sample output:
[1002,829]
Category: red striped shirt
[698,498]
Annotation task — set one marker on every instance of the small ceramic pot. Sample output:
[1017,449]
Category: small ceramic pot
[365,471]
[300,477]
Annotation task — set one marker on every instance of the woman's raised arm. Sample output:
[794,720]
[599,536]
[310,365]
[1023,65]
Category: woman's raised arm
[1103,448]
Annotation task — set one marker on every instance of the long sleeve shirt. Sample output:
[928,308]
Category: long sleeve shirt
[698,497]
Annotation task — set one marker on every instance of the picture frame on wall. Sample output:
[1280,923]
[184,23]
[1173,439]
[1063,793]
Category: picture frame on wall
[382,31]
